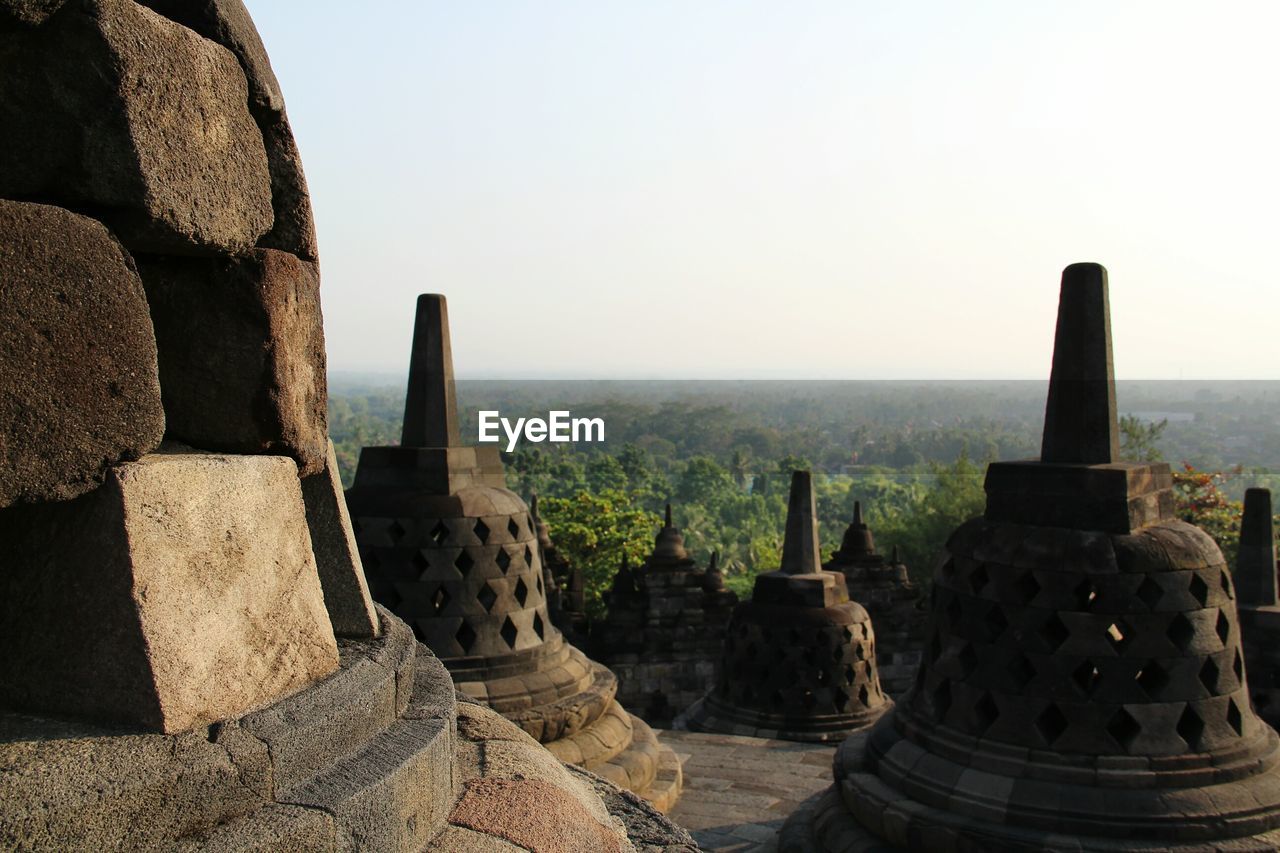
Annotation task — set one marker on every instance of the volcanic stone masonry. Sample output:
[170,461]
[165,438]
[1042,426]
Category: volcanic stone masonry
[891,600]
[191,658]
[455,554]
[800,657]
[1259,604]
[1083,685]
[664,629]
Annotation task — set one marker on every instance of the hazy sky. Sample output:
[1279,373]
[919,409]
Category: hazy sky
[729,188]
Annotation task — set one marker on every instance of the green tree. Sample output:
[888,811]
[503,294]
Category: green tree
[1201,500]
[1138,439]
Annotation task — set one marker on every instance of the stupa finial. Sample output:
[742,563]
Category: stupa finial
[1080,423]
[431,405]
[1256,563]
[800,555]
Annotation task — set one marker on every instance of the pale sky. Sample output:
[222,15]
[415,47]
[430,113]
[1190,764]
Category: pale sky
[752,188]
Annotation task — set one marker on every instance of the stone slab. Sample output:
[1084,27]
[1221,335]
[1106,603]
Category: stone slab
[346,593]
[108,106]
[241,348]
[181,592]
[78,384]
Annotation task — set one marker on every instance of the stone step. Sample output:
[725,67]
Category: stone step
[338,715]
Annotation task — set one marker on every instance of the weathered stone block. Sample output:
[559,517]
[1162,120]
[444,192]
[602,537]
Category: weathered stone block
[346,594]
[108,106]
[241,350]
[180,592]
[78,383]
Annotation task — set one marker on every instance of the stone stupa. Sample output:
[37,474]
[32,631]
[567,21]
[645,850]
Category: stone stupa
[664,629]
[799,659]
[1083,686]
[884,588]
[191,660]
[1259,604]
[449,549]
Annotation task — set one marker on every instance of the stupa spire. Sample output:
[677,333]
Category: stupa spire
[431,404]
[1080,423]
[800,555]
[1256,564]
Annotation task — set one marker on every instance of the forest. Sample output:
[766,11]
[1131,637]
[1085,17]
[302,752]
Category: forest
[721,452]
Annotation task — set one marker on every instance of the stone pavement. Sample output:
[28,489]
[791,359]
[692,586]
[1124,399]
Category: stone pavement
[738,790]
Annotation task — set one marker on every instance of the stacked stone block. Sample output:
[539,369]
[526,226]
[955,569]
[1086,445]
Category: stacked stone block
[1259,604]
[800,658]
[456,555]
[664,629]
[1083,685]
[892,601]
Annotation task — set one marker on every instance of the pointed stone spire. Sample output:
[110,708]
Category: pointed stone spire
[713,580]
[668,521]
[858,543]
[800,554]
[431,405]
[1080,423]
[624,582]
[668,545]
[1256,563]
[894,559]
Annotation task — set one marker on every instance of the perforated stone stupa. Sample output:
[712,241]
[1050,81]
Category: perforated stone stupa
[800,657]
[891,600]
[1083,686]
[1259,604]
[455,554]
[191,660]
[665,628]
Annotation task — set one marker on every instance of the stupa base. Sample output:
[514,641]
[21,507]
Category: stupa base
[709,714]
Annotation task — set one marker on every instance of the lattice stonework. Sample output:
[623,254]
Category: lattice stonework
[1086,643]
[468,586]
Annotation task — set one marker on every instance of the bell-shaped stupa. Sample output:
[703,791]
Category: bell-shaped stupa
[454,553]
[884,588]
[799,659]
[1083,685]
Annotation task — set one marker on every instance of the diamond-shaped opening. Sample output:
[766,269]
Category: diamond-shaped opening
[985,713]
[954,612]
[487,596]
[996,622]
[396,531]
[1234,718]
[1085,594]
[1150,592]
[842,701]
[1209,674]
[837,653]
[864,695]
[1022,671]
[420,562]
[538,627]
[1053,632]
[1225,580]
[1153,678]
[979,579]
[1238,667]
[1086,676]
[1181,632]
[521,591]
[528,556]
[482,531]
[1119,635]
[440,599]
[848,635]
[1026,587]
[968,659]
[509,632]
[1124,728]
[513,528]
[466,637]
[439,534]
[849,674]
[464,562]
[539,584]
[859,653]
[1051,724]
[1223,627]
[1190,727]
[941,700]
[503,559]
[823,677]
[808,700]
[1199,589]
